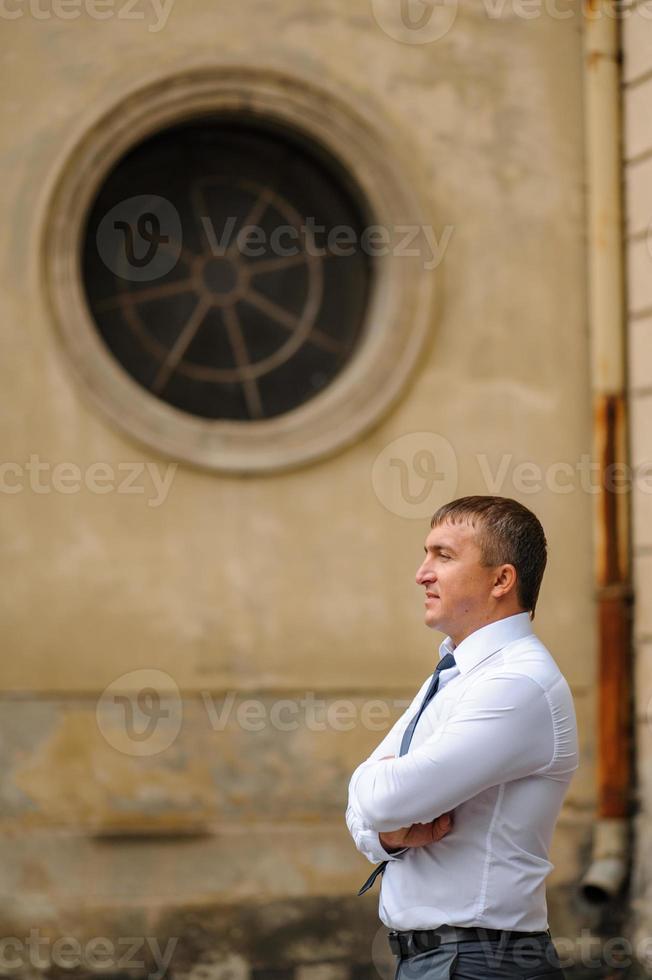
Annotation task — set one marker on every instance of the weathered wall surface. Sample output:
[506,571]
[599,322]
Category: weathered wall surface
[637,96]
[302,583]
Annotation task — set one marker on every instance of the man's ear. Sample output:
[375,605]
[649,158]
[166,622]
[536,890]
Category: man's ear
[504,581]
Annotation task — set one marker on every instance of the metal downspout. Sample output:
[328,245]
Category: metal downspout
[610,858]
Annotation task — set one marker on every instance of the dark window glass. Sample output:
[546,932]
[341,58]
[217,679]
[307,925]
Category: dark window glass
[224,267]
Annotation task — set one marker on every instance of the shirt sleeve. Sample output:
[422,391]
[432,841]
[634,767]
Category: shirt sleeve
[501,729]
[364,836]
[367,840]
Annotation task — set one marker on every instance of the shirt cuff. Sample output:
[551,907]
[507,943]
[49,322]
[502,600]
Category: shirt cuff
[374,850]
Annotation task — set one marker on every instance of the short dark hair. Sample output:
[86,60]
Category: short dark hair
[508,534]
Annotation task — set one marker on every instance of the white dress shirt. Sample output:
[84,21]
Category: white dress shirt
[498,746]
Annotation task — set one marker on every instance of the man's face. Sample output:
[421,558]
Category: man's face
[457,586]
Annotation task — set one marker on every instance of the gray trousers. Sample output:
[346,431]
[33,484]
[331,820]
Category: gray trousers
[527,958]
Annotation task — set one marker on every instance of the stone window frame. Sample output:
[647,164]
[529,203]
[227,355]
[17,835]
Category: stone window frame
[399,311]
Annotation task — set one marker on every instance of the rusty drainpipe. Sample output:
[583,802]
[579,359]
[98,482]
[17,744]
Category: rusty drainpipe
[611,845]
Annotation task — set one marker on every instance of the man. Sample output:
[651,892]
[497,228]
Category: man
[460,799]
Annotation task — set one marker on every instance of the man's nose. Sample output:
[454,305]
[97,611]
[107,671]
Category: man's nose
[424,574]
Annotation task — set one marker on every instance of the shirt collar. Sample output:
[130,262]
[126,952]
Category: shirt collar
[487,640]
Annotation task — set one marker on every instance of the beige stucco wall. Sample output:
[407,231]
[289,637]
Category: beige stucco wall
[301,582]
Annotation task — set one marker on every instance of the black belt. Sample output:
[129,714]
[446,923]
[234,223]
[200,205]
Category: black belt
[415,941]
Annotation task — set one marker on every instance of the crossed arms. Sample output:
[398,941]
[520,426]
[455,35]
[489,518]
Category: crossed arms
[501,729]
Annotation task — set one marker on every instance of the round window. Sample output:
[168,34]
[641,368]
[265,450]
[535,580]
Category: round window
[224,268]
[228,256]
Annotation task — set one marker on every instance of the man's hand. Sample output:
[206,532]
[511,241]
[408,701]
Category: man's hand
[419,833]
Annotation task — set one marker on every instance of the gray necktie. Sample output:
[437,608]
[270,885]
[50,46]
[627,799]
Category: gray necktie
[444,664]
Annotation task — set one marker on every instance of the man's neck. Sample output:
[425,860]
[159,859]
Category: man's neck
[457,638]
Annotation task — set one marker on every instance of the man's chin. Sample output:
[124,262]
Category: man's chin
[432,621]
